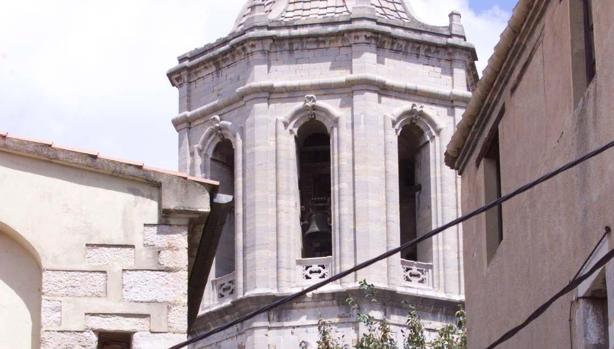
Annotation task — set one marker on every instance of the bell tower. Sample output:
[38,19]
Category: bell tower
[326,120]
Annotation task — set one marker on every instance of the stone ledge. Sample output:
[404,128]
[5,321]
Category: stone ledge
[234,42]
[145,340]
[350,81]
[117,322]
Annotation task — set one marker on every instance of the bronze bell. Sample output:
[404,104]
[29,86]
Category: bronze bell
[318,224]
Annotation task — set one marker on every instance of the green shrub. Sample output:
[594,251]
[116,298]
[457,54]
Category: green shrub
[380,336]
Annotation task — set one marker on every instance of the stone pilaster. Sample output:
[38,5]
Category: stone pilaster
[288,227]
[345,249]
[260,198]
[393,233]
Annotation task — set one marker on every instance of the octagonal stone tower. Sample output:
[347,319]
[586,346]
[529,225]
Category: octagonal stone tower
[327,121]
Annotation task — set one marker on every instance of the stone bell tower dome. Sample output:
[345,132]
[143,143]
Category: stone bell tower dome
[326,120]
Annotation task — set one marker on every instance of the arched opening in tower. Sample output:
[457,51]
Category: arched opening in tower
[314,169]
[222,170]
[415,192]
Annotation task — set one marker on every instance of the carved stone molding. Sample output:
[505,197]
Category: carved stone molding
[311,109]
[415,115]
[310,85]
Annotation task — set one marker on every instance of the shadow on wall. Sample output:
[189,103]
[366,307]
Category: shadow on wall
[20,293]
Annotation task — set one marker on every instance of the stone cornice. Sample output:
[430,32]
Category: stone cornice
[318,26]
[350,81]
[391,296]
[237,41]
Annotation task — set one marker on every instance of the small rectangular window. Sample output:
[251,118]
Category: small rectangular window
[492,191]
[114,340]
[589,40]
[584,64]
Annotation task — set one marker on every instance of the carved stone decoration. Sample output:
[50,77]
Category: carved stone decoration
[414,275]
[417,274]
[225,287]
[310,105]
[415,116]
[415,112]
[217,126]
[312,270]
[315,272]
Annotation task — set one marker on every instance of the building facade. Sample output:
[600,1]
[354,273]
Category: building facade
[326,120]
[93,251]
[544,100]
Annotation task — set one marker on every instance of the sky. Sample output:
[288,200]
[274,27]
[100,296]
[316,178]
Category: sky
[91,74]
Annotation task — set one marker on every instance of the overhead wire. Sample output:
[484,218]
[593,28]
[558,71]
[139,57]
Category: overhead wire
[407,245]
[542,308]
[607,231]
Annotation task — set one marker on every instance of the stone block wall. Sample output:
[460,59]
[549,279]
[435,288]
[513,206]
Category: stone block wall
[139,289]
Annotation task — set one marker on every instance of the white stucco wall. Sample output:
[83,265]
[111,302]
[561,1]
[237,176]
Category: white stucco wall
[98,253]
[20,295]
[59,209]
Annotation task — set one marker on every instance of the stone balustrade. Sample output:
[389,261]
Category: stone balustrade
[225,288]
[313,270]
[417,274]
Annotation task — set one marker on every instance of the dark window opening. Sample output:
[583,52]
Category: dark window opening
[589,40]
[313,144]
[584,64]
[222,170]
[414,191]
[114,340]
[492,191]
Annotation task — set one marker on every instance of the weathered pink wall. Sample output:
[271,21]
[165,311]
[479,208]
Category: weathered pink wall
[552,229]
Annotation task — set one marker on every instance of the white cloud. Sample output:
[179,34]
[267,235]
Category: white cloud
[91,73]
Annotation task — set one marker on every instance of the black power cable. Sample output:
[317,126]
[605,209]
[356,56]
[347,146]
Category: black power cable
[608,230]
[394,251]
[605,233]
[542,309]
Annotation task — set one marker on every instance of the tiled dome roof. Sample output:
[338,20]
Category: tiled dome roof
[296,10]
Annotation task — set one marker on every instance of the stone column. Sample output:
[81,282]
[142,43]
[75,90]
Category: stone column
[369,166]
[450,247]
[370,184]
[238,212]
[344,253]
[288,226]
[183,155]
